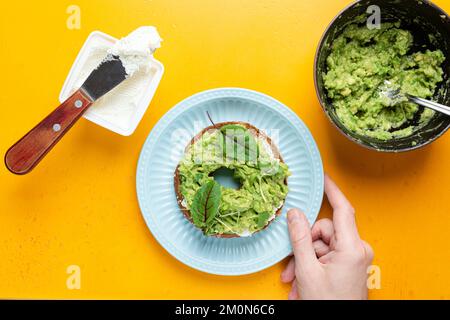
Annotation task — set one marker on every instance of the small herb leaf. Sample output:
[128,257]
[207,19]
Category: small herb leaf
[206,204]
[262,219]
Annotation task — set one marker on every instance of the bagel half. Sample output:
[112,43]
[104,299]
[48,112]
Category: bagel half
[258,135]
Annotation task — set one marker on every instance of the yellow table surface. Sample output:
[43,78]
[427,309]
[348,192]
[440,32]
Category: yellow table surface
[79,206]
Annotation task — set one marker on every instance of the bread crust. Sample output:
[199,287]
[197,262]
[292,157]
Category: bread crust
[253,129]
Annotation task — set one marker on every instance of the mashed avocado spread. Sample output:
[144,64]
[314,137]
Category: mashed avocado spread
[362,61]
[261,175]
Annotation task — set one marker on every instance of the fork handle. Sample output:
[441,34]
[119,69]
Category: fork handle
[26,153]
[431,104]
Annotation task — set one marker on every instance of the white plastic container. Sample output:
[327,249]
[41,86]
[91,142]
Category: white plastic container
[124,128]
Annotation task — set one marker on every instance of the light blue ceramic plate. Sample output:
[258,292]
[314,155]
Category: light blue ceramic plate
[164,148]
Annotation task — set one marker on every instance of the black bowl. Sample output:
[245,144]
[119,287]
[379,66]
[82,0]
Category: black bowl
[422,18]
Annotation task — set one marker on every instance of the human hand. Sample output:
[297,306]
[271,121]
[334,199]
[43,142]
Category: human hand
[330,260]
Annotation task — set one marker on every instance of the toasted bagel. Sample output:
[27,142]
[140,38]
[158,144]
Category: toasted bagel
[258,135]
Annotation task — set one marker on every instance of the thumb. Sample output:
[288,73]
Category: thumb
[301,240]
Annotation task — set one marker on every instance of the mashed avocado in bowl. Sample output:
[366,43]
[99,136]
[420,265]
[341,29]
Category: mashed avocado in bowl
[377,126]
[257,165]
[362,61]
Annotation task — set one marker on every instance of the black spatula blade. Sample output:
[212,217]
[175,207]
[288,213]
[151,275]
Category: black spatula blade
[109,73]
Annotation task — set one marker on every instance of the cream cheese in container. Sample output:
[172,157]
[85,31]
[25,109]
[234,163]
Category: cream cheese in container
[121,109]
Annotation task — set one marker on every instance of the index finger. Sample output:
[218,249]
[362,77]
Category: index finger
[343,213]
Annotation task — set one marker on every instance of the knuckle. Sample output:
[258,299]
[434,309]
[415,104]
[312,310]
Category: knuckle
[358,255]
[349,208]
[298,233]
[298,238]
[319,224]
[369,251]
[363,253]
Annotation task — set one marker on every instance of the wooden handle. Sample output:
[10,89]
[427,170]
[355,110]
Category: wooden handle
[26,153]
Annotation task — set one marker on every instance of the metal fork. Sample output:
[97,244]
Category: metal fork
[396,96]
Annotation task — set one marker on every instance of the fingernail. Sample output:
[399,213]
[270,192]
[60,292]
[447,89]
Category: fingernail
[293,215]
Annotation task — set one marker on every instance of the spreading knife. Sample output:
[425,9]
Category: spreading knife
[26,153]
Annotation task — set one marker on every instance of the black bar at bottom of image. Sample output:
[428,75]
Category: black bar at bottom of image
[216,309]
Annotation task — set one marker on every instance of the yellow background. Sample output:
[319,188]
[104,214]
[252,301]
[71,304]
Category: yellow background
[79,205]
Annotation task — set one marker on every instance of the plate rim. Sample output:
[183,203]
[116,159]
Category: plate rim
[201,97]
